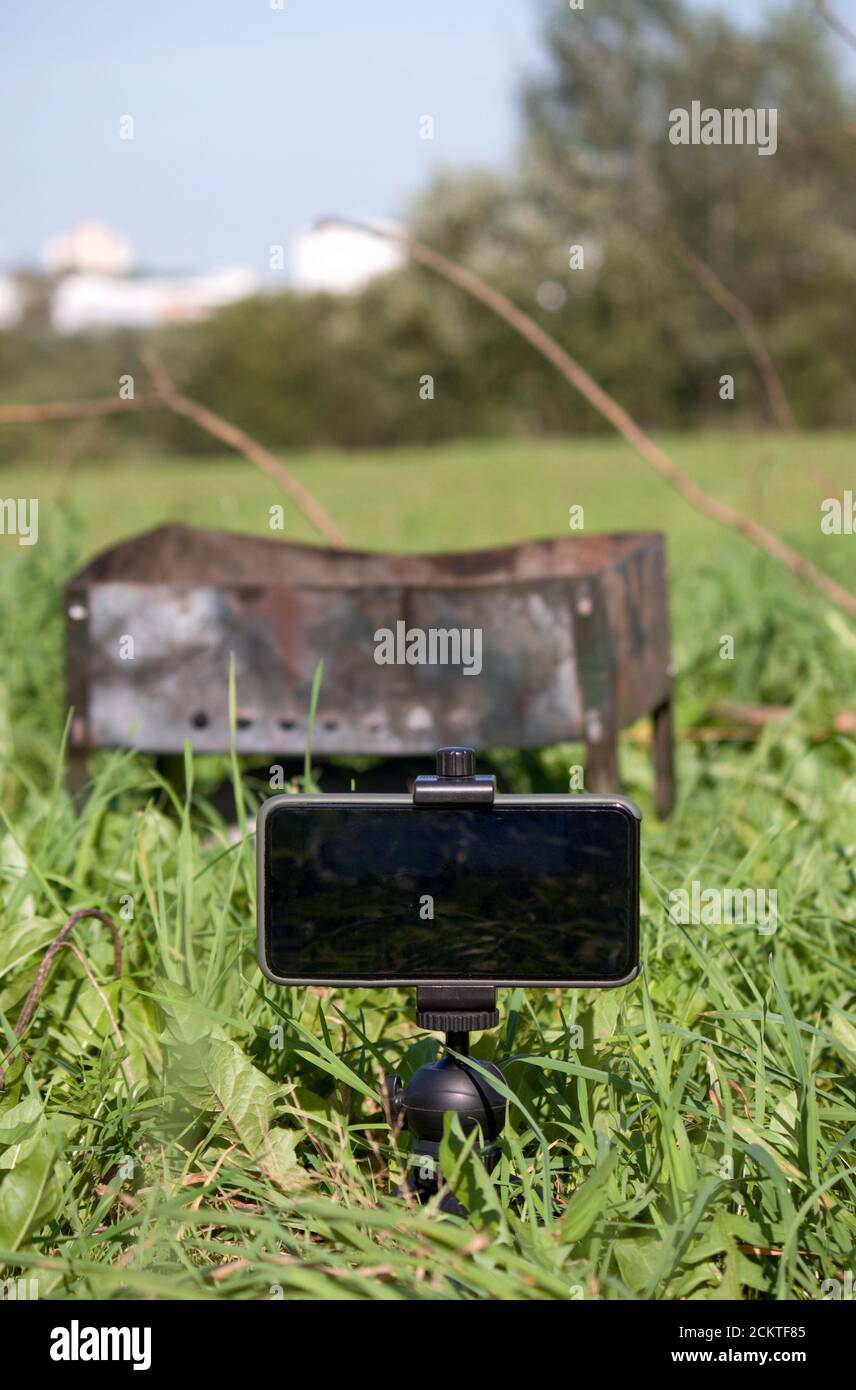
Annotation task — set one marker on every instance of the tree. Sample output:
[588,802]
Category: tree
[779,230]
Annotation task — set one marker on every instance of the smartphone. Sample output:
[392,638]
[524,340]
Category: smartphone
[375,890]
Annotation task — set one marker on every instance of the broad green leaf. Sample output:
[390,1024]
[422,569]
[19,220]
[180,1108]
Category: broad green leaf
[638,1260]
[587,1202]
[213,1074]
[21,1128]
[22,939]
[466,1174]
[28,1195]
[844,1033]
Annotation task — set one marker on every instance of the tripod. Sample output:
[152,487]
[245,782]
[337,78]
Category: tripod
[449,1084]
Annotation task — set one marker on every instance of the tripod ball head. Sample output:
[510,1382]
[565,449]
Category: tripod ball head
[448,1084]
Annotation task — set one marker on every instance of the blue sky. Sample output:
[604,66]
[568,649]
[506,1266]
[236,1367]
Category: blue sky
[249,121]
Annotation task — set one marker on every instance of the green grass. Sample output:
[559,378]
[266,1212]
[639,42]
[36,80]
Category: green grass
[461,495]
[188,1131]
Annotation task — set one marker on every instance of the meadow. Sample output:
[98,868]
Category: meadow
[186,1131]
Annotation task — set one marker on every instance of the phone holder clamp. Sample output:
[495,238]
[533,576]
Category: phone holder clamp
[455,782]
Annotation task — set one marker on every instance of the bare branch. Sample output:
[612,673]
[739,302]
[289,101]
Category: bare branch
[745,320]
[71,410]
[56,945]
[759,716]
[166,397]
[242,443]
[617,416]
[836,24]
[126,1061]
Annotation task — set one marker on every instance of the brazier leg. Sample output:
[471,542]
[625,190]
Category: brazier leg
[76,775]
[602,773]
[664,758]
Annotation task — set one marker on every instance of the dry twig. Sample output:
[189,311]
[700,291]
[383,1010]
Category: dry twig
[617,416]
[71,410]
[836,24]
[745,320]
[43,971]
[166,397]
[237,439]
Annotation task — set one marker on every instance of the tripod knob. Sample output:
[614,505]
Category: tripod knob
[392,1100]
[475,1021]
[460,1008]
[456,762]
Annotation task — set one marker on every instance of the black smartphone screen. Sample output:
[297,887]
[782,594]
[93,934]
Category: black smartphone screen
[501,894]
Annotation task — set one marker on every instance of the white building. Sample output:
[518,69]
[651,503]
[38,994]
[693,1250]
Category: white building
[341,259]
[82,302]
[11,301]
[95,289]
[89,247]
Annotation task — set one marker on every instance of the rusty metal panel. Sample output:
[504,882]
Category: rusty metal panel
[175,684]
[595,660]
[636,595]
